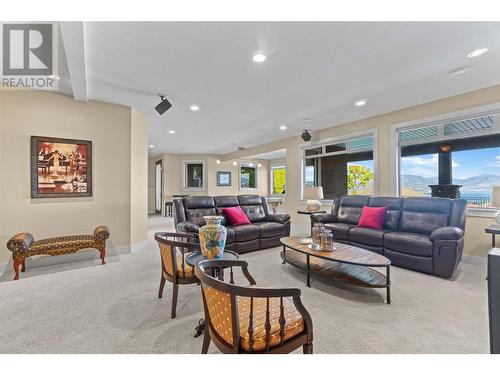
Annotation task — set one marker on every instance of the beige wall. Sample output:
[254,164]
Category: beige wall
[108,126]
[138,177]
[476,241]
[173,183]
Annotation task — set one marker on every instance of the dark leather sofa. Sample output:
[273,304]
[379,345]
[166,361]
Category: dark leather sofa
[264,231]
[422,234]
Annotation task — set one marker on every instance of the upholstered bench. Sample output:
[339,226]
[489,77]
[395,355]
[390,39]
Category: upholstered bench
[24,246]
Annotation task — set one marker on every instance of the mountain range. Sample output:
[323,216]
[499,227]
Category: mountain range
[480,183]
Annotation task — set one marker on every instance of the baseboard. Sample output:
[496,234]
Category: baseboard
[83,255]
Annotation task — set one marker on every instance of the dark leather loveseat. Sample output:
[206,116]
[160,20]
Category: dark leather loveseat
[422,234]
[264,231]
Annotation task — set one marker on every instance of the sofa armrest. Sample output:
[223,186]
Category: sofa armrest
[279,218]
[447,234]
[188,227]
[20,242]
[101,234]
[323,218]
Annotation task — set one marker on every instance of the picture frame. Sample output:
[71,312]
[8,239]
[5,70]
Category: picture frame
[60,167]
[223,178]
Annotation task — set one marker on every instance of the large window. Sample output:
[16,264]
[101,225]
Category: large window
[248,176]
[461,152]
[341,167]
[193,175]
[278,180]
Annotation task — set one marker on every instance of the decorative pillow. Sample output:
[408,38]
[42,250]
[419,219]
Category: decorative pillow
[372,217]
[235,215]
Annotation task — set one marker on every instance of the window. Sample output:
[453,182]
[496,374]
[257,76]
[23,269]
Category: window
[193,174]
[462,152]
[248,176]
[278,180]
[341,167]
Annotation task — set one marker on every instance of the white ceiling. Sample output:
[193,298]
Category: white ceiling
[313,69]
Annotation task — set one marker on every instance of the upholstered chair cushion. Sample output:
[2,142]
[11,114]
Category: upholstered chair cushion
[294,323]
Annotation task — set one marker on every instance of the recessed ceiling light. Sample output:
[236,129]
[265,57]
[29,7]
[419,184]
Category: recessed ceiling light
[477,52]
[360,102]
[459,71]
[259,165]
[151,146]
[194,108]
[235,163]
[171,132]
[283,127]
[217,161]
[259,57]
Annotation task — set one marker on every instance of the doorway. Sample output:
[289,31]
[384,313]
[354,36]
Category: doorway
[158,186]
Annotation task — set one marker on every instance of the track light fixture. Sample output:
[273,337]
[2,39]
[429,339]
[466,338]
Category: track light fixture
[164,105]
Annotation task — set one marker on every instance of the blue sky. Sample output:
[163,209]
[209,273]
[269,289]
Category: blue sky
[465,163]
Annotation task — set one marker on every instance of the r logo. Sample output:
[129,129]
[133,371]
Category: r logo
[27,50]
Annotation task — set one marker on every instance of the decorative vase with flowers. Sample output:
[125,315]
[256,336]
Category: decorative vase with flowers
[213,237]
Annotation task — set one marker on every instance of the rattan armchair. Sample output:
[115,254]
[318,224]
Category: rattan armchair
[251,319]
[174,248]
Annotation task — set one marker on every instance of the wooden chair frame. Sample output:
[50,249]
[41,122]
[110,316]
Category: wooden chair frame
[211,273]
[184,247]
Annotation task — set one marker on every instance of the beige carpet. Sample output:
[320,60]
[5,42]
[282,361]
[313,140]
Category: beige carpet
[84,307]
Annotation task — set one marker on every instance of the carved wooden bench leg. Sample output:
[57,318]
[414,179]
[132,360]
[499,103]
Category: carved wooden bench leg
[102,250]
[308,348]
[16,264]
[23,265]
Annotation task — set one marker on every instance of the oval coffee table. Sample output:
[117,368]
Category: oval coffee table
[348,264]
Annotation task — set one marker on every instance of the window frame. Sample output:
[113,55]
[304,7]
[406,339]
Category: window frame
[373,132]
[442,119]
[257,170]
[272,167]
[185,163]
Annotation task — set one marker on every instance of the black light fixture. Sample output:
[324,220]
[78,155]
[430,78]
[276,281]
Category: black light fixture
[306,136]
[164,106]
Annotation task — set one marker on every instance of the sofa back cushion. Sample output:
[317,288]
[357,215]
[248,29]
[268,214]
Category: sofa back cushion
[394,206]
[223,201]
[350,207]
[252,206]
[198,206]
[424,215]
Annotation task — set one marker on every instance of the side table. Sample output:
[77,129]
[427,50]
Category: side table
[493,230]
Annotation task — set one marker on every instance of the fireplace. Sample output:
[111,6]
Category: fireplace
[445,191]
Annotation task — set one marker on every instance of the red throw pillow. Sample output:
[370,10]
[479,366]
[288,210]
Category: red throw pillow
[235,215]
[372,217]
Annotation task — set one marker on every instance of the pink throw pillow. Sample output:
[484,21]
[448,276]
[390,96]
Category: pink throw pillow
[372,217]
[235,215]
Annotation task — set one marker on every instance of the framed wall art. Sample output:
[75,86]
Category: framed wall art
[60,168]
[223,178]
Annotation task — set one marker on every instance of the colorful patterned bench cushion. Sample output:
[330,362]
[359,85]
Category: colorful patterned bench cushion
[60,245]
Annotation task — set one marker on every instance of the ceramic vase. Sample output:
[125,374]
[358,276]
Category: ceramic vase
[213,237]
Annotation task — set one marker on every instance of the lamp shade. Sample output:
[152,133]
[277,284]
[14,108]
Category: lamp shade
[313,192]
[495,196]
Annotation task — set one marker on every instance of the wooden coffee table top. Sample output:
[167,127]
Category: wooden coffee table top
[344,253]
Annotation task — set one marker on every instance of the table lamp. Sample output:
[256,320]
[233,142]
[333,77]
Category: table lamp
[313,194]
[495,201]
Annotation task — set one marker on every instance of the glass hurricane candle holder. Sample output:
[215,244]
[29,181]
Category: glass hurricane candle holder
[326,240]
[316,232]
